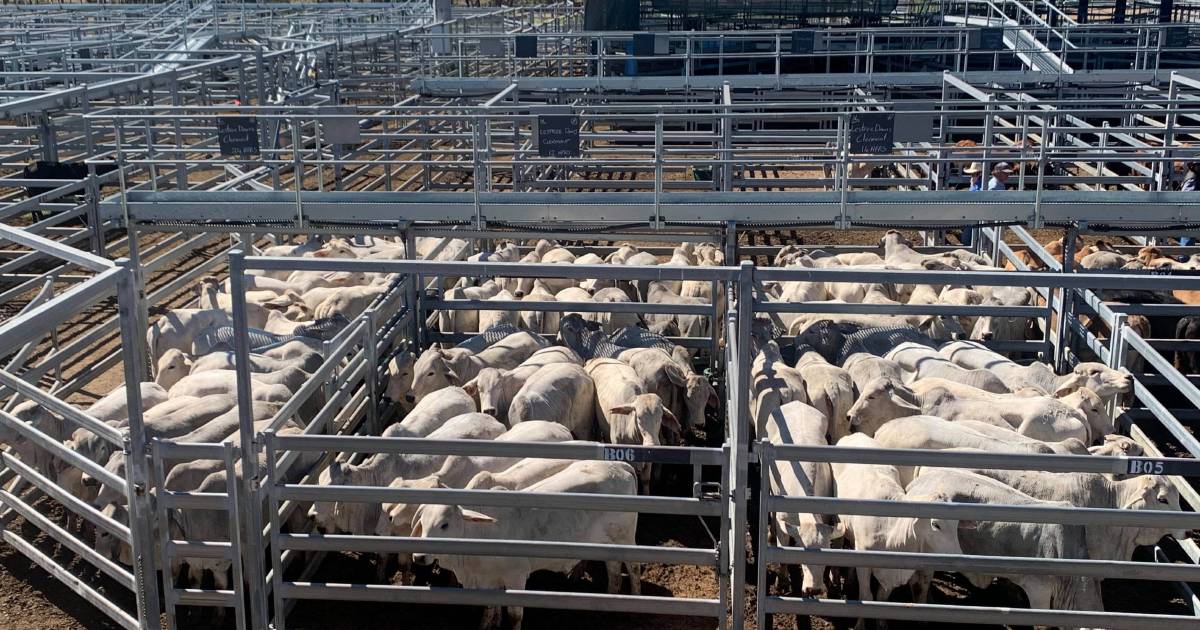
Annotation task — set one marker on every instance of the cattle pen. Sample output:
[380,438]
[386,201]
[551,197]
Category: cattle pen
[162,160]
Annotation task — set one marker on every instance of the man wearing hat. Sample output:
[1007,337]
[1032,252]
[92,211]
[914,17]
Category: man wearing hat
[975,170]
[1000,173]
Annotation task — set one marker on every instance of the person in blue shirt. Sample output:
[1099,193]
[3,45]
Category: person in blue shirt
[1189,185]
[1000,174]
[976,172]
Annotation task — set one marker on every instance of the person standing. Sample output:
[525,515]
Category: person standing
[976,172]
[1000,175]
[1190,185]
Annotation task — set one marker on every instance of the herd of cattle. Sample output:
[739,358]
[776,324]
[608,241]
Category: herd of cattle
[913,382]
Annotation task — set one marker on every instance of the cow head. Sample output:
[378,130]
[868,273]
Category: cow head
[1117,446]
[650,417]
[172,366]
[1091,407]
[809,533]
[881,400]
[1149,492]
[487,388]
[824,336]
[444,521]
[344,516]
[398,519]
[1101,379]
[432,372]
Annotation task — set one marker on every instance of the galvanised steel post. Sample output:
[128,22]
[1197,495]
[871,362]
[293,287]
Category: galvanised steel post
[271,497]
[739,418]
[1066,303]
[766,457]
[250,499]
[137,466]
[371,351]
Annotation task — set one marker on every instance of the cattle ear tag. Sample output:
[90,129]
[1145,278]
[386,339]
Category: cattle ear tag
[477,517]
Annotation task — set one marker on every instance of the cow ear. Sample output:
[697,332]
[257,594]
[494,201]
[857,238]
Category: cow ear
[477,517]
[622,409]
[670,421]
[453,378]
[676,376]
[417,530]
[471,387]
[337,473]
[1070,385]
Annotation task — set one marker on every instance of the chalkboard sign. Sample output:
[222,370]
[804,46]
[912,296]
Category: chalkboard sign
[340,130]
[871,133]
[238,135]
[491,47]
[558,135]
[527,46]
[1176,37]
[1147,466]
[804,42]
[991,38]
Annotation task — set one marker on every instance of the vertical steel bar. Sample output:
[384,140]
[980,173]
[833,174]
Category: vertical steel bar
[371,352]
[740,469]
[766,459]
[170,595]
[251,512]
[277,566]
[136,468]
[1065,305]
[237,558]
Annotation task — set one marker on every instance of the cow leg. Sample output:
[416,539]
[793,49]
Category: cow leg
[613,568]
[920,583]
[635,578]
[515,615]
[491,618]
[783,579]
[864,592]
[1038,591]
[381,567]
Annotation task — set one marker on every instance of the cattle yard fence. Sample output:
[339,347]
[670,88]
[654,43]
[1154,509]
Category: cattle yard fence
[279,561]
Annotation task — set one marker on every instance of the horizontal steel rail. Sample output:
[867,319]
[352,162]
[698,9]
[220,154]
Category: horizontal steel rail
[975,614]
[966,563]
[480,269]
[80,418]
[898,309]
[952,459]
[60,451]
[499,548]
[41,319]
[644,604]
[987,511]
[546,450]
[70,502]
[579,307]
[553,500]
